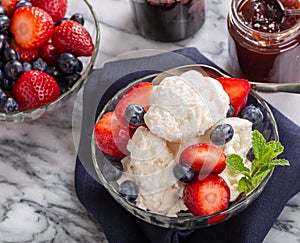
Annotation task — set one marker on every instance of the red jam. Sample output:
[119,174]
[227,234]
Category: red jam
[168,20]
[263,48]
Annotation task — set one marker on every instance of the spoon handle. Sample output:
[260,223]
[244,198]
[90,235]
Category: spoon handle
[291,12]
[275,87]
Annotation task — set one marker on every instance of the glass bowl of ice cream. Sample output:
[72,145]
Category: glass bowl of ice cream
[180,149]
[47,55]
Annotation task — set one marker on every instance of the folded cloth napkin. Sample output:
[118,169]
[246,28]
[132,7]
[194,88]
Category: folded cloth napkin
[251,225]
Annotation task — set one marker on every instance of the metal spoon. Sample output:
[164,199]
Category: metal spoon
[278,11]
[206,70]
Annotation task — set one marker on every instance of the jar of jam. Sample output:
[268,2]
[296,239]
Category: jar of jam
[168,20]
[261,47]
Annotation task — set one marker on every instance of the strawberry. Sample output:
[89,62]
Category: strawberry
[204,158]
[34,89]
[26,55]
[237,90]
[55,8]
[207,196]
[32,27]
[111,136]
[49,54]
[138,94]
[72,37]
[9,6]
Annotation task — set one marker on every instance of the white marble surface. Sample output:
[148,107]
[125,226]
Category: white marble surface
[37,159]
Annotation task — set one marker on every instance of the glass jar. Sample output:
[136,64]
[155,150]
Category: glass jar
[261,56]
[168,20]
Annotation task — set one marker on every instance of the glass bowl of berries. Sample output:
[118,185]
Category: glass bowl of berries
[48,50]
[187,148]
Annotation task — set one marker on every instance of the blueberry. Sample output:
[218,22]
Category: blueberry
[221,134]
[2,76]
[67,63]
[129,190]
[112,170]
[63,87]
[23,3]
[253,114]
[10,54]
[250,155]
[13,70]
[39,64]
[2,10]
[184,172]
[71,79]
[78,17]
[230,111]
[4,24]
[26,66]
[134,114]
[3,96]
[7,85]
[52,71]
[4,43]
[10,105]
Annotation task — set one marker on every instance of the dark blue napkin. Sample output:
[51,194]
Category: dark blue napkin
[251,225]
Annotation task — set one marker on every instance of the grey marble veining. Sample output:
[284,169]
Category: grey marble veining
[38,202]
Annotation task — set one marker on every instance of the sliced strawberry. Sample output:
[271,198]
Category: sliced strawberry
[237,90]
[49,54]
[32,27]
[72,37]
[207,196]
[26,55]
[34,89]
[111,136]
[9,6]
[55,8]
[138,94]
[204,158]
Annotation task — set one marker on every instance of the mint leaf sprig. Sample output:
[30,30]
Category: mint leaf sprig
[265,154]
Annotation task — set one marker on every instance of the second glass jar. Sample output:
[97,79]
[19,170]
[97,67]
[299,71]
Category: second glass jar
[262,56]
[168,20]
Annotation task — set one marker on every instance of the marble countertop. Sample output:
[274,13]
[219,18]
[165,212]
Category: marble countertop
[38,202]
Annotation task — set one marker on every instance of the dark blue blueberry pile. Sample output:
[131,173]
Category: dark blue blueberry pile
[66,72]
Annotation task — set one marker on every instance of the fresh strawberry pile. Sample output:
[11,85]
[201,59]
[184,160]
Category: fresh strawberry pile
[41,49]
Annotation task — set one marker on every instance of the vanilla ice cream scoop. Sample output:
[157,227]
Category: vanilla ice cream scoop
[150,164]
[185,106]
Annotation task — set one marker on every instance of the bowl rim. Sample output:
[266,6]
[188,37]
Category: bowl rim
[21,116]
[182,218]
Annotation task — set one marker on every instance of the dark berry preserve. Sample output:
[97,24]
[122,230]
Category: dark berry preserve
[168,20]
[261,47]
